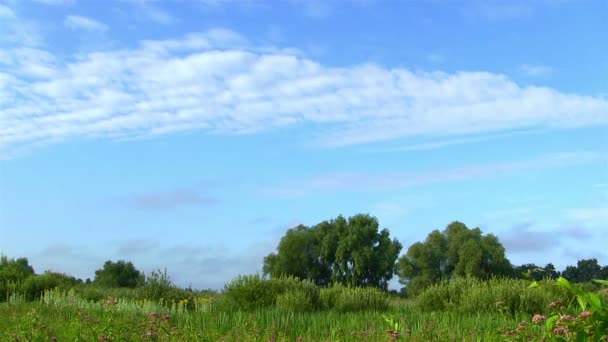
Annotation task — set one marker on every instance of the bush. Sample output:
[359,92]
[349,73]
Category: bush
[471,295]
[296,301]
[34,286]
[254,292]
[350,299]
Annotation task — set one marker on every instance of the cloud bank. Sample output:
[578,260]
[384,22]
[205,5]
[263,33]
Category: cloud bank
[216,82]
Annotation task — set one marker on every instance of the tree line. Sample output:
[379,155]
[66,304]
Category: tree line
[350,251]
[354,251]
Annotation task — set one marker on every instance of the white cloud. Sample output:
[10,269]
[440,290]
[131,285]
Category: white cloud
[536,70]
[76,22]
[216,82]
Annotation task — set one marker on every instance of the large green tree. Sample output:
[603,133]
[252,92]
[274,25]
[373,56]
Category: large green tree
[118,274]
[457,251]
[349,251]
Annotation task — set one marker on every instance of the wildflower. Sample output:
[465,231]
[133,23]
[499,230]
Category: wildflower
[560,331]
[556,304]
[606,290]
[166,317]
[499,303]
[584,314]
[408,331]
[538,318]
[565,318]
[152,314]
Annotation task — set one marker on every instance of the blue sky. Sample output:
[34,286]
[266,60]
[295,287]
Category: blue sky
[191,134]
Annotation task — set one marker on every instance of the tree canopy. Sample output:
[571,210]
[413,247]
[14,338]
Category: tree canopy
[349,251]
[457,251]
[14,270]
[118,274]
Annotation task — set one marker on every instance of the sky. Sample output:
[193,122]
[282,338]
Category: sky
[190,135]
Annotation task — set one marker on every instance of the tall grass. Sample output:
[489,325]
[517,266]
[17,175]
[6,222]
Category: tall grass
[471,295]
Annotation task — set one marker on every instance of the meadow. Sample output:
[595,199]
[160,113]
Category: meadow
[252,308]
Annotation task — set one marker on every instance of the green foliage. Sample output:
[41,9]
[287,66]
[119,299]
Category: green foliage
[13,272]
[472,295]
[585,318]
[456,252]
[352,299]
[255,292]
[118,274]
[34,286]
[352,252]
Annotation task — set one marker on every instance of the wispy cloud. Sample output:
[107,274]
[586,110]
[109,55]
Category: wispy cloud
[597,216]
[77,22]
[217,82]
[6,12]
[359,182]
[436,144]
[536,70]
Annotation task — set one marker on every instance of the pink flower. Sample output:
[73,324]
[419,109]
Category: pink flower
[560,331]
[538,318]
[500,303]
[584,314]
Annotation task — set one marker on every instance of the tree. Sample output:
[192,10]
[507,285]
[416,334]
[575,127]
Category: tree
[14,270]
[352,252]
[603,273]
[457,251]
[588,269]
[571,273]
[118,274]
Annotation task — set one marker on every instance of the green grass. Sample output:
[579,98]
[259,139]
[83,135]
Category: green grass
[461,310]
[79,320]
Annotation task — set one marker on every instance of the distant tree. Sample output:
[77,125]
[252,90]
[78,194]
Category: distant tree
[603,273]
[550,271]
[571,273]
[14,270]
[348,251]
[457,251]
[118,274]
[530,271]
[588,269]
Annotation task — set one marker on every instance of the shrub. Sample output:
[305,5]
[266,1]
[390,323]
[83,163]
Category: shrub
[34,286]
[254,292]
[471,295]
[296,301]
[350,299]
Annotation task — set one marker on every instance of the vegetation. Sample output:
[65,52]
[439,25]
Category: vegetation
[460,286]
[456,252]
[346,251]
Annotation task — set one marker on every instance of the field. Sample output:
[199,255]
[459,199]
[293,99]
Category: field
[464,310]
